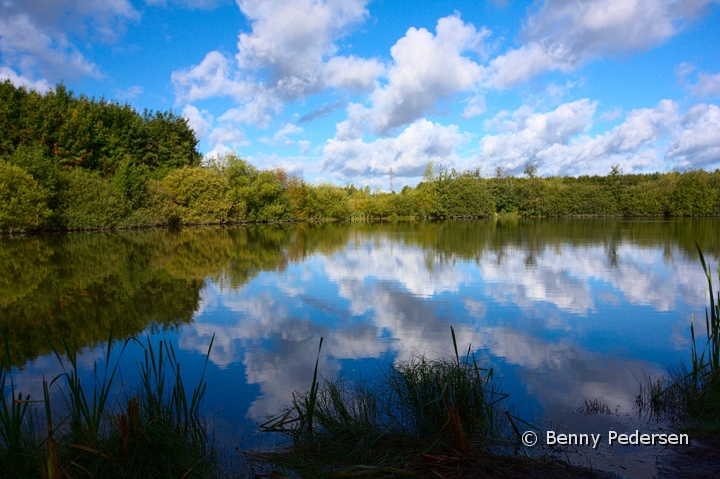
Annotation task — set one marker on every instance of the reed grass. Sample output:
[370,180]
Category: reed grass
[691,392]
[417,409]
[153,430]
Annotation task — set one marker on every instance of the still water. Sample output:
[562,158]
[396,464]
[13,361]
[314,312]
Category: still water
[564,310]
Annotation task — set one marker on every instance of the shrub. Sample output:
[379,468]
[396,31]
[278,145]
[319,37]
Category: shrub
[463,196]
[87,201]
[159,207]
[23,202]
[200,195]
[327,201]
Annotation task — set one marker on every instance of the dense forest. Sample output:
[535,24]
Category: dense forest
[71,162]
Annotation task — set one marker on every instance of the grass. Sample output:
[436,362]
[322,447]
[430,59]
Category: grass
[691,394]
[423,418]
[152,430]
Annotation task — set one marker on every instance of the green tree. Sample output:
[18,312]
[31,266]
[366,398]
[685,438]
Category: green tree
[200,194]
[86,201]
[22,200]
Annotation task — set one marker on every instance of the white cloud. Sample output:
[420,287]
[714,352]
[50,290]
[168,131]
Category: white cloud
[24,45]
[697,143]
[289,54]
[426,68]
[523,63]
[290,40]
[129,93]
[281,136]
[476,106]
[36,35]
[224,135]
[304,146]
[407,154]
[708,85]
[611,115]
[41,86]
[649,139]
[563,34]
[528,133]
[352,73]
[199,121]
[210,78]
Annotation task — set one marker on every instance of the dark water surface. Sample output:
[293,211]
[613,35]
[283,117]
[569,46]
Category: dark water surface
[564,310]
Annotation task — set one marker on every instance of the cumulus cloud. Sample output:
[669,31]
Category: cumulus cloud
[199,121]
[281,136]
[36,36]
[407,154]
[212,77]
[527,132]
[227,134]
[707,85]
[41,86]
[611,115]
[563,34]
[649,139]
[476,106]
[352,73]
[426,68]
[697,143]
[289,54]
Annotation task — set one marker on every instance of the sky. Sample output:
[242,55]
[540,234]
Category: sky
[343,91]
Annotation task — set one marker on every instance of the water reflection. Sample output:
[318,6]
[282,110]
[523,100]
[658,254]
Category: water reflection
[563,309]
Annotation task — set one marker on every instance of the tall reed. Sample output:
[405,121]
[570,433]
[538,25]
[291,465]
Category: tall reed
[159,433]
[87,414]
[415,407]
[695,392]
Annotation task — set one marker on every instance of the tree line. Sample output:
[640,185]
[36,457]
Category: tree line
[71,162]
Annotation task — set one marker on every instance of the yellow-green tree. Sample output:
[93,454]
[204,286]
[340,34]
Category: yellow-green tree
[23,202]
[200,194]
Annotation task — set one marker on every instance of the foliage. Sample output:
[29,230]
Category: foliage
[87,201]
[327,201]
[200,194]
[23,202]
[51,134]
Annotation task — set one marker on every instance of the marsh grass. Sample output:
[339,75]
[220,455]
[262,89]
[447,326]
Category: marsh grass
[418,411]
[691,392]
[152,430]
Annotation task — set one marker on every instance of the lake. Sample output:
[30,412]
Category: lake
[565,310]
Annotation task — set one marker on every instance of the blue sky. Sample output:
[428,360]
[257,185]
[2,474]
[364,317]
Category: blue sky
[344,90]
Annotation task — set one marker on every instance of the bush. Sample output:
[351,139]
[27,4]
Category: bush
[694,194]
[23,202]
[463,196]
[200,195]
[650,197]
[87,201]
[159,207]
[327,201]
